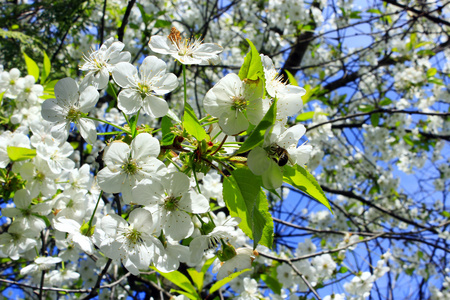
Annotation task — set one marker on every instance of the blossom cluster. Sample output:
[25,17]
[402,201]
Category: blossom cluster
[58,197]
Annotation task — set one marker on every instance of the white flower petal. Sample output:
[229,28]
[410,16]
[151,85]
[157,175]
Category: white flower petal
[178,225]
[155,106]
[176,184]
[88,99]
[193,203]
[233,123]
[129,101]
[144,146]
[87,130]
[123,73]
[67,89]
[258,161]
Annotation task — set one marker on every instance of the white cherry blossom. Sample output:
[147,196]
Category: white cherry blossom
[131,241]
[170,203]
[126,165]
[143,89]
[289,96]
[187,52]
[235,103]
[100,63]
[71,105]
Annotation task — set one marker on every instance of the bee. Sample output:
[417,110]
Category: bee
[280,156]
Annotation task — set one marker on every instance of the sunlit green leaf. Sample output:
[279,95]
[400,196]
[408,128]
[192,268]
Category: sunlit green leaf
[197,278]
[300,178]
[291,78]
[32,67]
[179,279]
[19,153]
[272,283]
[245,199]
[375,119]
[192,125]
[305,116]
[252,67]
[46,69]
[216,286]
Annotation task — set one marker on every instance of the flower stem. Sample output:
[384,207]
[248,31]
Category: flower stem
[196,180]
[220,146]
[185,86]
[95,209]
[111,124]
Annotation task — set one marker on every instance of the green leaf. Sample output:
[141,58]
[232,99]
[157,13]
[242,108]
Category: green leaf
[407,138]
[208,264]
[197,278]
[235,203]
[355,15]
[252,67]
[385,102]
[423,44]
[216,286]
[375,119]
[374,11]
[305,116]
[74,145]
[19,153]
[190,296]
[291,78]
[262,222]
[431,72]
[167,139]
[426,52]
[166,124]
[310,92]
[343,270]
[272,283]
[46,69]
[133,124]
[246,200]
[179,279]
[145,16]
[365,108]
[300,178]
[32,67]
[435,81]
[256,138]
[192,125]
[445,214]
[162,24]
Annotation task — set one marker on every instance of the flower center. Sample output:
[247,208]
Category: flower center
[170,203]
[144,90]
[239,103]
[39,177]
[73,115]
[130,167]
[133,236]
[185,47]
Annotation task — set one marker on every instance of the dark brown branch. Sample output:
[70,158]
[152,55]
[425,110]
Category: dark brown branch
[419,13]
[352,195]
[121,30]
